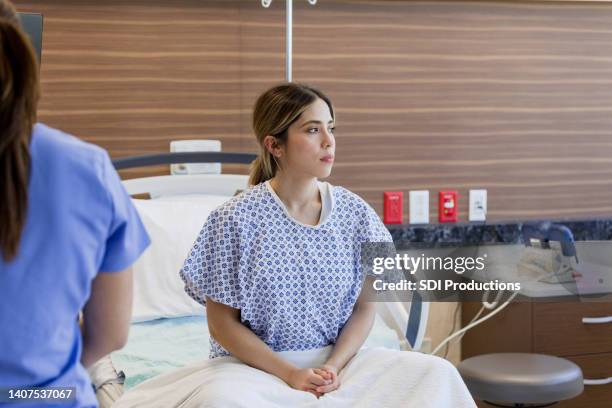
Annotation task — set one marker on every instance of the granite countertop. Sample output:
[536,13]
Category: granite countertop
[508,232]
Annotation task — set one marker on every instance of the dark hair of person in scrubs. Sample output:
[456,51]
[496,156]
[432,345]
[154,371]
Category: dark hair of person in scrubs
[19,92]
[275,111]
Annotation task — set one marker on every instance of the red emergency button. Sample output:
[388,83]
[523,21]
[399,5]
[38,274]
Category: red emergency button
[447,206]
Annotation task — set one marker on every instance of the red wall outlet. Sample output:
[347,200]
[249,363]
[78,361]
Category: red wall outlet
[447,206]
[394,207]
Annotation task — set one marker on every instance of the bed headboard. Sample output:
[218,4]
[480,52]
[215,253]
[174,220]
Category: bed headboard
[158,186]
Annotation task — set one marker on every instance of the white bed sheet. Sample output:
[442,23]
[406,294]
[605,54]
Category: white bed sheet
[375,377]
[161,345]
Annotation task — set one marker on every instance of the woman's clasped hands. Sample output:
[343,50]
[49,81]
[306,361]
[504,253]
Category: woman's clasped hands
[330,374]
[317,381]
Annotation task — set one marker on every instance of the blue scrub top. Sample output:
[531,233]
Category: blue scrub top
[80,221]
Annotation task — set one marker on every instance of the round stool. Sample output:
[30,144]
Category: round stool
[521,379]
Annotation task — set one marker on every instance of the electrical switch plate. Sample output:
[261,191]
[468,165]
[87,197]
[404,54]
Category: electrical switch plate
[202,145]
[393,211]
[419,206]
[478,205]
[447,206]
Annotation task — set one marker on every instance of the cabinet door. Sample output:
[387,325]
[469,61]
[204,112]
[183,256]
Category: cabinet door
[596,366]
[559,328]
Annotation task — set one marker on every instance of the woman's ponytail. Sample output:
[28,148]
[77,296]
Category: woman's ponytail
[263,168]
[19,93]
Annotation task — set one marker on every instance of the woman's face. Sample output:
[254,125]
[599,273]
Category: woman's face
[310,143]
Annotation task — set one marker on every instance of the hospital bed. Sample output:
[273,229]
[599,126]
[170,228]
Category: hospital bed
[169,330]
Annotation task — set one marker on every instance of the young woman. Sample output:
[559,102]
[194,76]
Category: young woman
[64,217]
[278,268]
[285,279]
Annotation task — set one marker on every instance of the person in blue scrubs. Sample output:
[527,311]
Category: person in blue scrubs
[68,237]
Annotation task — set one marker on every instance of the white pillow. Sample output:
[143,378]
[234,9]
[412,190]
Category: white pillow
[173,225]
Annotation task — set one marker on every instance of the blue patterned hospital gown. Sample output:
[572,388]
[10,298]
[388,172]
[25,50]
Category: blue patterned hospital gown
[295,285]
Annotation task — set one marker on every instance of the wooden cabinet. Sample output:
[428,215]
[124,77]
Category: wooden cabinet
[593,366]
[550,328]
[558,329]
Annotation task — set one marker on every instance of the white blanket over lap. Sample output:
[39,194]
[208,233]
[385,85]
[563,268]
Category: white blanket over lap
[375,377]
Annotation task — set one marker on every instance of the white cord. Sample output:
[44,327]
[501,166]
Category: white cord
[485,300]
[476,316]
[485,305]
[476,323]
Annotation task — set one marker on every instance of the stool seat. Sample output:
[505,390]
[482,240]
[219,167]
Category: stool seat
[521,378]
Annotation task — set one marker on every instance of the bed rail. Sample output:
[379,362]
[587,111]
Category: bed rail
[182,157]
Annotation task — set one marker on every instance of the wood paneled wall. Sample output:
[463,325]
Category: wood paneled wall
[514,97]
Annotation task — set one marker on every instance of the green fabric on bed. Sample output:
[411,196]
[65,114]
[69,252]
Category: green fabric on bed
[157,346]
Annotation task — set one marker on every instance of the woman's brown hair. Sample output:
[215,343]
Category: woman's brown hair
[19,92]
[276,110]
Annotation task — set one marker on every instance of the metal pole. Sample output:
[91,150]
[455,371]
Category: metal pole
[289,40]
[288,35]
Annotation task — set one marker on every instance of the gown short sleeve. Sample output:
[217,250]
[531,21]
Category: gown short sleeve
[375,238]
[373,228]
[212,266]
[127,238]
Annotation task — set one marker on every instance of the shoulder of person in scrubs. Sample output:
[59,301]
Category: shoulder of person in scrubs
[80,238]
